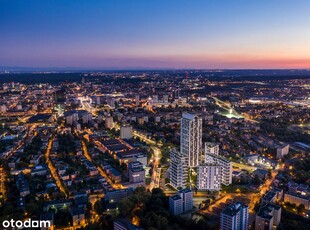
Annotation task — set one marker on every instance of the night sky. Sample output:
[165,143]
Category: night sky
[155,34]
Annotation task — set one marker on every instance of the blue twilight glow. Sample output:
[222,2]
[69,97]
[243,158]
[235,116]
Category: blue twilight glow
[155,33]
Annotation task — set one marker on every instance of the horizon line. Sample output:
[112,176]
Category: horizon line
[32,69]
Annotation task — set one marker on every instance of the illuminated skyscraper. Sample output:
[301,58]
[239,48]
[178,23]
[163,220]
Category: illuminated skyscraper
[191,138]
[178,169]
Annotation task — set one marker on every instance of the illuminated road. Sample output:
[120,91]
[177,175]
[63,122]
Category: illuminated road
[156,170]
[19,144]
[263,189]
[149,107]
[93,215]
[231,112]
[243,166]
[223,199]
[3,194]
[52,168]
[156,156]
[226,106]
[9,154]
[154,145]
[145,138]
[253,197]
[85,151]
[102,173]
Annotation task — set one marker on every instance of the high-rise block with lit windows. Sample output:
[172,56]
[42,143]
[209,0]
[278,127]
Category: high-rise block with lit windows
[178,169]
[191,138]
[209,177]
[235,217]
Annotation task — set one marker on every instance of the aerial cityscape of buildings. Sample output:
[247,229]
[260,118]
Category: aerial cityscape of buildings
[220,153]
[155,115]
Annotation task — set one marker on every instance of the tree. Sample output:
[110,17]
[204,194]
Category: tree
[8,208]
[243,180]
[125,206]
[62,218]
[269,173]
[157,191]
[154,221]
[256,180]
[300,208]
[33,208]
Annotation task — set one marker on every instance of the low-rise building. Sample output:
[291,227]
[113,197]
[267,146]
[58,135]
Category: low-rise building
[282,150]
[297,199]
[136,172]
[109,124]
[78,216]
[126,132]
[115,196]
[268,217]
[142,158]
[272,196]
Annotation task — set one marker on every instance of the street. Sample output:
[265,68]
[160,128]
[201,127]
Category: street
[52,168]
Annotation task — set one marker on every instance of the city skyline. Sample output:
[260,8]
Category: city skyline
[155,149]
[155,34]
[155,114]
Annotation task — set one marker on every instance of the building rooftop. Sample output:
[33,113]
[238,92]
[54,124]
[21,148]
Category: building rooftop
[299,195]
[175,197]
[269,196]
[127,224]
[233,209]
[135,166]
[189,116]
[265,211]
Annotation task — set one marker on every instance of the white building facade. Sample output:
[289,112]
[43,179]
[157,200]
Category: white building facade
[209,177]
[178,169]
[187,197]
[224,163]
[109,124]
[175,205]
[191,138]
[126,132]
[211,148]
[235,217]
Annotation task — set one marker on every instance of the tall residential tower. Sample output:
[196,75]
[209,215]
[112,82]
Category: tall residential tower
[178,169]
[191,138]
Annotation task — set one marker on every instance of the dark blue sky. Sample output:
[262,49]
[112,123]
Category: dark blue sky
[155,34]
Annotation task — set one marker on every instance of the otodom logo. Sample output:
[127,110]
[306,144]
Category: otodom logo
[10,224]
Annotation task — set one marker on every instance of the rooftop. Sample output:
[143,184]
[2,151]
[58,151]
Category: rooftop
[233,209]
[175,197]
